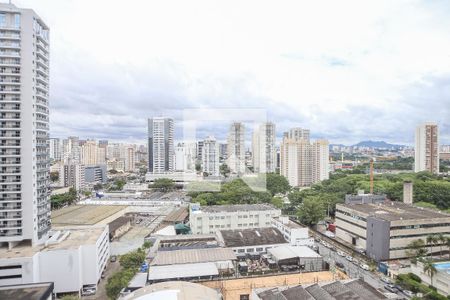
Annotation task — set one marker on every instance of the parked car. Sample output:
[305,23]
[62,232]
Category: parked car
[340,253]
[391,288]
[408,293]
[339,265]
[364,267]
[88,292]
[386,280]
[113,258]
[349,258]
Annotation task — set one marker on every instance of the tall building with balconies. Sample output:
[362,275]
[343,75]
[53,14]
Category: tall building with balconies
[160,145]
[24,118]
[236,148]
[427,148]
[210,156]
[263,149]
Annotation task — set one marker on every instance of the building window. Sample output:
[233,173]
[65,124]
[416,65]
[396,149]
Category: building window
[2,20]
[16,21]
[241,250]
[259,249]
[250,250]
[244,297]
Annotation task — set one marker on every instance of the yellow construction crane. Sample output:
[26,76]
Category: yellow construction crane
[371,175]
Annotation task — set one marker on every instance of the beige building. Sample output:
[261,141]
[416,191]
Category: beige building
[427,148]
[301,162]
[89,153]
[385,229]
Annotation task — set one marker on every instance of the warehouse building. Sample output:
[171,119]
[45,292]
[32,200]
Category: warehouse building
[350,289]
[31,291]
[251,240]
[385,229]
[302,256]
[209,219]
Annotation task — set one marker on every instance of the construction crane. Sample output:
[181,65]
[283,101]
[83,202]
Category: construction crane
[371,176]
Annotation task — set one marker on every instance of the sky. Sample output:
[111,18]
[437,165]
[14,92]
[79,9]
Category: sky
[347,70]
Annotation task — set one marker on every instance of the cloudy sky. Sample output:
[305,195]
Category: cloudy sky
[348,70]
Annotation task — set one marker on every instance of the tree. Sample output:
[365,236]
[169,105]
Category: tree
[70,297]
[147,244]
[416,249]
[277,202]
[113,171]
[54,176]
[98,187]
[311,211]
[224,170]
[429,269]
[431,240]
[163,184]
[277,184]
[118,281]
[441,240]
[448,246]
[132,260]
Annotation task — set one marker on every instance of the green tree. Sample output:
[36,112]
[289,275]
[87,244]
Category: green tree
[132,260]
[277,202]
[429,269]
[113,171]
[163,184]
[441,240]
[277,184]
[224,170]
[98,187]
[118,281]
[311,211]
[70,297]
[54,176]
[416,249]
[431,240]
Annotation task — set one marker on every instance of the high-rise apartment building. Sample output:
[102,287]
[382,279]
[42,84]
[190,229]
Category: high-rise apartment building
[24,117]
[263,149]
[89,153]
[210,156]
[160,145]
[236,148]
[130,158]
[301,162]
[427,148]
[55,149]
[321,160]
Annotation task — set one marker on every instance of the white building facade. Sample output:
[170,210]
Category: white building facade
[24,117]
[295,234]
[236,148]
[210,157]
[209,219]
[264,158]
[426,154]
[160,145]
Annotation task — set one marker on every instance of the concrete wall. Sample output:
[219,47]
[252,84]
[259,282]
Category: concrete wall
[378,239]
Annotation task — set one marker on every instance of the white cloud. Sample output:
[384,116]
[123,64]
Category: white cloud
[349,70]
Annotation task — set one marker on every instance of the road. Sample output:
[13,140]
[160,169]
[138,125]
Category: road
[352,269]
[111,268]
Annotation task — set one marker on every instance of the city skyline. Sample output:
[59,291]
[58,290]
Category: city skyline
[360,79]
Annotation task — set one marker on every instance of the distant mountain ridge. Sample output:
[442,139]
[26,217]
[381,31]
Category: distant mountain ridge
[377,144]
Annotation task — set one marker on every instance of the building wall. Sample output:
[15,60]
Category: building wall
[236,148]
[256,248]
[206,222]
[378,239]
[426,154]
[295,236]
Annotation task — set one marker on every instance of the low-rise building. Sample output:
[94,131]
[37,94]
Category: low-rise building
[31,291]
[209,219]
[294,233]
[71,259]
[302,256]
[386,229]
[257,240]
[119,227]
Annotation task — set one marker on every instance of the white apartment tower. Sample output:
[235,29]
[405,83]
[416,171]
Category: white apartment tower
[24,118]
[210,156]
[55,149]
[321,160]
[89,153]
[264,158]
[130,159]
[236,148]
[160,145]
[427,148]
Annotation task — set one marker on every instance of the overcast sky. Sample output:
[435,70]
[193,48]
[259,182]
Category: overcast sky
[348,70]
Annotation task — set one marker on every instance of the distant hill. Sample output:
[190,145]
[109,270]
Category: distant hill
[377,144]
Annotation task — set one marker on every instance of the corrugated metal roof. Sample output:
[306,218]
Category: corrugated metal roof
[286,252]
[182,271]
[188,256]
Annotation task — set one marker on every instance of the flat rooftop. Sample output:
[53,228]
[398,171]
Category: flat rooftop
[237,208]
[32,291]
[394,211]
[74,239]
[83,214]
[252,237]
[192,256]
